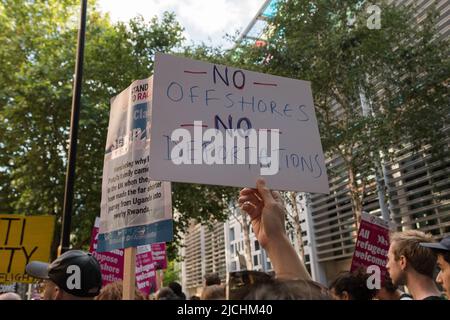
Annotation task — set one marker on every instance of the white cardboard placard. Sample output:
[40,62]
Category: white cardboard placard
[224,97]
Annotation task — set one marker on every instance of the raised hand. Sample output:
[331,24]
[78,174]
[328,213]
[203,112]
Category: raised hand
[266,211]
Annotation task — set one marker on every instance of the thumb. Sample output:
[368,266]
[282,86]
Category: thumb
[264,192]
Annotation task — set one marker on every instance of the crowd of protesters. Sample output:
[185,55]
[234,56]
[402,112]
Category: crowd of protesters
[413,258]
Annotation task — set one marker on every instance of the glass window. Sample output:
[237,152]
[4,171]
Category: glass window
[257,29]
[271,9]
[232,234]
[255,260]
[256,245]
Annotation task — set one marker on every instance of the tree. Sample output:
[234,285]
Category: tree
[35,90]
[242,218]
[171,274]
[399,71]
[37,50]
[293,220]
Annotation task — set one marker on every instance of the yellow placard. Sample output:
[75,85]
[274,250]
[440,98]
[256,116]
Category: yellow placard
[23,239]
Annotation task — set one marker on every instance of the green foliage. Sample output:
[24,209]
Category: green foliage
[313,41]
[37,54]
[401,70]
[171,274]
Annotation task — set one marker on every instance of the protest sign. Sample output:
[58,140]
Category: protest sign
[191,97]
[145,270]
[159,255]
[372,244]
[134,209]
[23,239]
[112,264]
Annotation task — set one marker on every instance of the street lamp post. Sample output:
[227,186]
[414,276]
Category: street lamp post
[76,100]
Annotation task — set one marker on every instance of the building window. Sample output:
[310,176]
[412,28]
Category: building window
[232,250]
[268,265]
[232,234]
[255,260]
[256,245]
[233,266]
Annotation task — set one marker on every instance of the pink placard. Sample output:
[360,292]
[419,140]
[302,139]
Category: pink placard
[159,255]
[111,264]
[145,271]
[372,244]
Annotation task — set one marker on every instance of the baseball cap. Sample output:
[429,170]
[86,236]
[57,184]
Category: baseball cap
[443,245]
[61,269]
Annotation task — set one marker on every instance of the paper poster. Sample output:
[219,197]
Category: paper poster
[135,210]
[219,125]
[23,239]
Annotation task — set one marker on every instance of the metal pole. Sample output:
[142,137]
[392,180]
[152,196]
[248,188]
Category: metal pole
[76,99]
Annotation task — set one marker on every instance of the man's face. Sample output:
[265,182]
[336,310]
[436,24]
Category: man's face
[394,267]
[50,290]
[443,277]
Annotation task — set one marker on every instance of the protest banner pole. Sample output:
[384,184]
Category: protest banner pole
[129,273]
[159,279]
[156,280]
[76,101]
[29,293]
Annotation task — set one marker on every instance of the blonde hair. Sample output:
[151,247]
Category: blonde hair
[407,244]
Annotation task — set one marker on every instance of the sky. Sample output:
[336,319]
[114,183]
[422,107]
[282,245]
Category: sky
[204,20]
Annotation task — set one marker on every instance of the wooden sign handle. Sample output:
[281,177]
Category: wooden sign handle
[129,274]
[159,279]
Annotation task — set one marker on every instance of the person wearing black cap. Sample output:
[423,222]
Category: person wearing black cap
[442,250]
[74,275]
